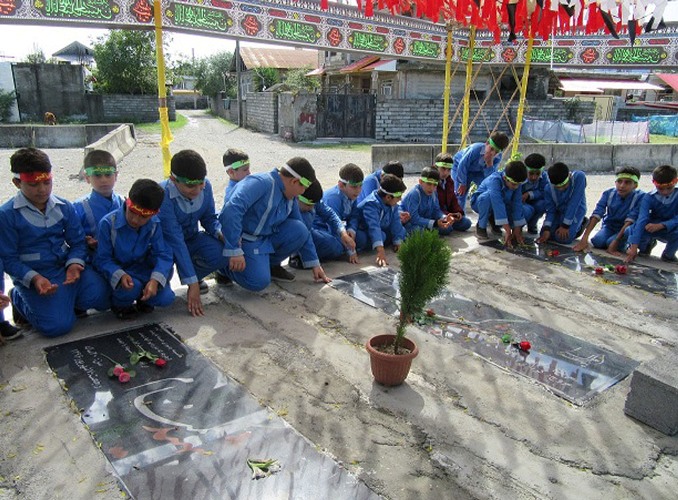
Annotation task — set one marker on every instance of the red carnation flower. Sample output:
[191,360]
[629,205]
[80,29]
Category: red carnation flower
[118,370]
[124,377]
[525,345]
[160,362]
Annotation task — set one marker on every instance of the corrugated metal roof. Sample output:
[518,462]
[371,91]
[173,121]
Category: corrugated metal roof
[278,58]
[670,78]
[359,65]
[383,65]
[572,85]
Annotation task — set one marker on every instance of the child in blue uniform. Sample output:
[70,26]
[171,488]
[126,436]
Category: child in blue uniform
[618,209]
[132,254]
[378,223]
[188,204]
[342,199]
[313,209]
[7,330]
[447,199]
[422,205]
[534,204]
[657,217]
[42,246]
[237,165]
[100,173]
[476,162]
[499,196]
[262,225]
[565,205]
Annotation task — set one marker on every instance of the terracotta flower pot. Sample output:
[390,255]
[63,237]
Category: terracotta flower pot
[390,369]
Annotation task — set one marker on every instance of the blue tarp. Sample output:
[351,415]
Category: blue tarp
[660,124]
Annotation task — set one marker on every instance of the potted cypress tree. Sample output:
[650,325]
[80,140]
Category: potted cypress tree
[424,271]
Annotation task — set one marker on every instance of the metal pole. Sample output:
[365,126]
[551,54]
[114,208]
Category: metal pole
[237,76]
[446,93]
[166,133]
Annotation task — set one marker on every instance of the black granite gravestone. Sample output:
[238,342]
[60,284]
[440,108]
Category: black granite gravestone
[653,280]
[570,367]
[185,430]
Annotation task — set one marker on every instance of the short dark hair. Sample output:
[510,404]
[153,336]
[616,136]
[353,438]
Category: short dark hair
[516,170]
[444,158]
[99,158]
[351,173]
[431,173]
[314,192]
[29,160]
[500,139]
[147,194]
[535,161]
[232,155]
[627,170]
[391,183]
[664,174]
[394,167]
[301,166]
[189,164]
[558,172]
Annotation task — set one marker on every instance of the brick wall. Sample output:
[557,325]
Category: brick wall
[421,120]
[106,108]
[262,112]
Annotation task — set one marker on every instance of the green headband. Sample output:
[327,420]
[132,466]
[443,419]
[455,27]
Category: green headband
[305,200]
[351,183]
[186,180]
[494,145]
[535,169]
[428,180]
[511,180]
[634,178]
[397,194]
[567,179]
[302,180]
[443,164]
[101,170]
[237,164]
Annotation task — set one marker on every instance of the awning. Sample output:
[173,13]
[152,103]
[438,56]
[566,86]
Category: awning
[359,65]
[384,65]
[316,72]
[599,86]
[669,78]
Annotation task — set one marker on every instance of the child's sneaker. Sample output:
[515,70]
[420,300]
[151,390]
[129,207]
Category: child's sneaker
[124,313]
[144,307]
[9,331]
[648,248]
[669,258]
[18,318]
[204,288]
[295,262]
[481,233]
[222,279]
[279,273]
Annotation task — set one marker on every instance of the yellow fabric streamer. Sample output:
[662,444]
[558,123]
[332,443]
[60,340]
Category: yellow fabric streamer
[166,133]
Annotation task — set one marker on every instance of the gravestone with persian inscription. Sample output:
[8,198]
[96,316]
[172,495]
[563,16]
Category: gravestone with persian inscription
[185,430]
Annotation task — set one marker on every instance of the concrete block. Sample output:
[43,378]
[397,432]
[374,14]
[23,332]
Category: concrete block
[118,142]
[653,398]
[414,157]
[586,157]
[645,157]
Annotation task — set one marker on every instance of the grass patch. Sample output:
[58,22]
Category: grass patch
[352,146]
[663,139]
[154,128]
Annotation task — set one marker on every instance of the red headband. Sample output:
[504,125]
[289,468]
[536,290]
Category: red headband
[136,209]
[34,176]
[665,184]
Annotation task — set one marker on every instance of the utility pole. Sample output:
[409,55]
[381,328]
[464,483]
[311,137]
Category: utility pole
[237,76]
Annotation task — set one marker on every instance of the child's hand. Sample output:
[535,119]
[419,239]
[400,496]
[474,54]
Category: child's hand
[562,233]
[353,258]
[581,245]
[126,282]
[92,242]
[150,290]
[544,236]
[396,248]
[43,286]
[456,216]
[237,263]
[461,189]
[347,241]
[653,228]
[193,299]
[381,257]
[526,196]
[404,217]
[631,253]
[4,300]
[73,273]
[443,222]
[518,235]
[508,237]
[319,275]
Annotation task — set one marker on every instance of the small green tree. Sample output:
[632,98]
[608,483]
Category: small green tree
[6,101]
[126,62]
[264,78]
[297,80]
[213,75]
[36,57]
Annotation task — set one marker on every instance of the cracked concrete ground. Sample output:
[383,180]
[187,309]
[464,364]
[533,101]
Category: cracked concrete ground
[460,427]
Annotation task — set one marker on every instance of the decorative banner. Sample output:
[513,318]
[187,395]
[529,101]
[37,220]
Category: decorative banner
[341,27]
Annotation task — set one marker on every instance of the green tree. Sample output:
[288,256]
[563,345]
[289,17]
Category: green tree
[264,78]
[297,80]
[125,62]
[213,75]
[38,57]
[6,101]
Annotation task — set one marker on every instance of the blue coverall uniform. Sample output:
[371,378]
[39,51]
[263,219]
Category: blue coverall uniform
[469,166]
[535,205]
[424,210]
[566,208]
[655,208]
[91,209]
[615,211]
[377,224]
[493,197]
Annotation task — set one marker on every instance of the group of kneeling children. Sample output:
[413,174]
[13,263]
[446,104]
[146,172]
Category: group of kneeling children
[106,252]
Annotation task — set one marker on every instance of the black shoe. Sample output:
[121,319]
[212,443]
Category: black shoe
[532,229]
[295,262]
[222,279]
[669,258]
[582,228]
[204,288]
[648,249]
[80,313]
[8,331]
[18,318]
[495,228]
[144,307]
[481,233]
[279,273]
[125,313]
